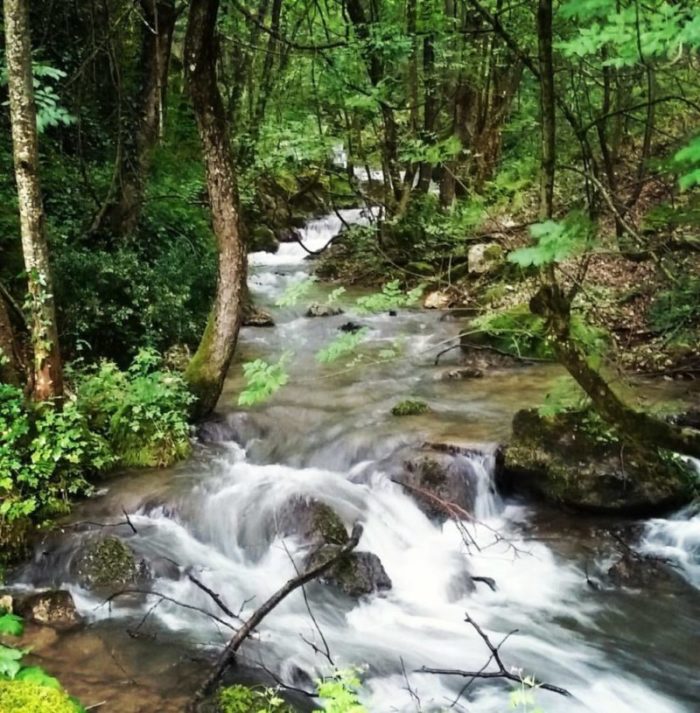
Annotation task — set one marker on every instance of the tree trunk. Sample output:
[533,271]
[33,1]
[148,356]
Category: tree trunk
[208,368]
[547,107]
[644,430]
[121,215]
[10,362]
[47,371]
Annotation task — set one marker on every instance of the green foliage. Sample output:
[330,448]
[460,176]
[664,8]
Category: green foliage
[341,346]
[676,312]
[565,395]
[555,242]
[45,455]
[515,330]
[295,292]
[687,161]
[340,693]
[391,297]
[262,380]
[142,412]
[523,698]
[242,699]
[409,407]
[28,688]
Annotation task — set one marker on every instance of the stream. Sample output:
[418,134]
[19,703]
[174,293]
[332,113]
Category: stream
[329,435]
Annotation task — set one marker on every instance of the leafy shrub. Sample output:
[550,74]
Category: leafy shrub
[45,455]
[263,380]
[141,411]
[515,330]
[676,311]
[340,693]
[391,297]
[241,699]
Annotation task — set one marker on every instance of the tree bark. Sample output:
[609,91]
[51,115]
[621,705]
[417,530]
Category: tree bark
[644,430]
[10,362]
[47,369]
[547,107]
[208,368]
[121,215]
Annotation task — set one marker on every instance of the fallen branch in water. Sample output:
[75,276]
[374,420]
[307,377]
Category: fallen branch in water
[229,653]
[502,671]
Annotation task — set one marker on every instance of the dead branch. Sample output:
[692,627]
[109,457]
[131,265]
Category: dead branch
[502,671]
[229,653]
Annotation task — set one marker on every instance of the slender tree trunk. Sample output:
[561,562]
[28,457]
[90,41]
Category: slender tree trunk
[10,364]
[47,370]
[644,430]
[547,108]
[121,215]
[209,366]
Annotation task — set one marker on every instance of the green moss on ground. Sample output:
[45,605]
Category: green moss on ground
[29,697]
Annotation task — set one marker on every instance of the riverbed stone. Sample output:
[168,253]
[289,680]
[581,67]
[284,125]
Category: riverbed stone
[437,299]
[258,318]
[461,374]
[109,564]
[311,521]
[562,461]
[54,608]
[441,479]
[320,310]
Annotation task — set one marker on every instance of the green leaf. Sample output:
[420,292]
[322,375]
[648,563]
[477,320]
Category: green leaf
[11,625]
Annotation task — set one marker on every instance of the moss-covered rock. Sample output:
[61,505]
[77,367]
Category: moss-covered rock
[108,564]
[28,697]
[311,521]
[409,407]
[357,574]
[565,461]
[54,608]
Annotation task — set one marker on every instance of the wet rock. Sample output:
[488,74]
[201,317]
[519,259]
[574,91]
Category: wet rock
[485,257]
[459,586]
[437,299]
[441,479]
[108,564]
[358,574]
[320,310]
[6,602]
[263,238]
[258,318]
[320,527]
[560,460]
[637,571]
[313,522]
[54,608]
[461,374]
[351,327]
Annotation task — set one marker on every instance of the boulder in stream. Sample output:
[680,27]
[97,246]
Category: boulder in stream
[107,564]
[561,460]
[54,608]
[258,318]
[319,526]
[442,479]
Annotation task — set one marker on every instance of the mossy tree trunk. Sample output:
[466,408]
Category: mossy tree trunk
[47,373]
[644,430]
[208,368]
[10,363]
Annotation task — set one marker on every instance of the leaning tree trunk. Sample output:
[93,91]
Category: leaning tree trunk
[208,368]
[121,214]
[47,371]
[554,306]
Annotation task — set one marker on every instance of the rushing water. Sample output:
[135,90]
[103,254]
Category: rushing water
[329,435]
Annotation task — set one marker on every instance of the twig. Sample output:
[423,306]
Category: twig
[496,657]
[261,612]
[214,596]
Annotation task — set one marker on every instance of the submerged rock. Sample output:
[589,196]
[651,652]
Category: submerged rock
[258,318]
[54,608]
[461,374]
[320,310]
[109,564]
[560,461]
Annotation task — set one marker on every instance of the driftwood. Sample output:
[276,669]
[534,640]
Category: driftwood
[228,655]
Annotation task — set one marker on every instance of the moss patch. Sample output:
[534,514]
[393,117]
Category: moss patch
[28,697]
[107,562]
[409,407]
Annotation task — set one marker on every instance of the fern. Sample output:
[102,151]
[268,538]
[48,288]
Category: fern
[295,292]
[341,346]
[262,380]
[555,242]
[391,297]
